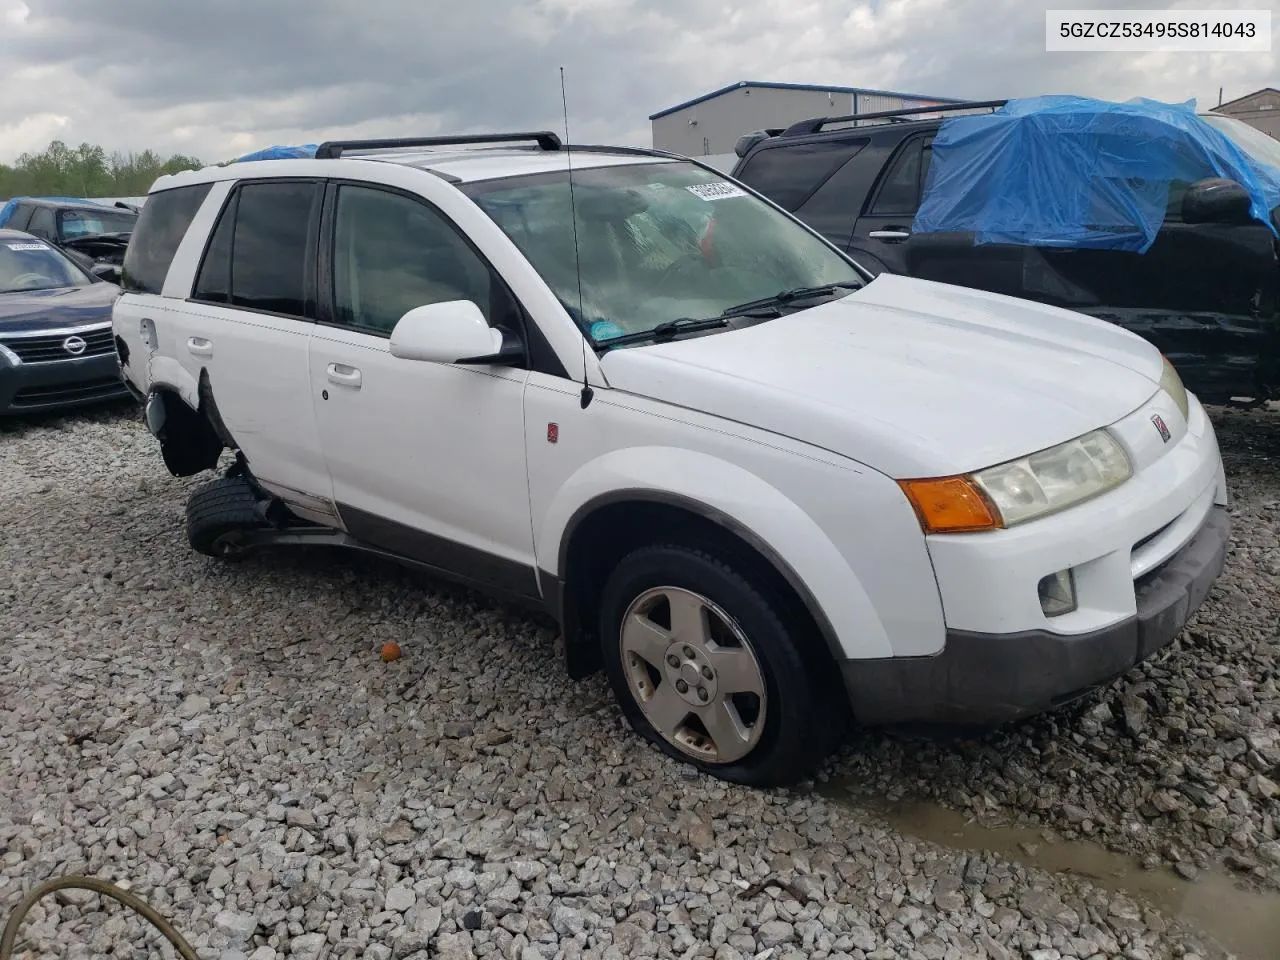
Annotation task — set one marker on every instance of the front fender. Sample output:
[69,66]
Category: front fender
[743,503]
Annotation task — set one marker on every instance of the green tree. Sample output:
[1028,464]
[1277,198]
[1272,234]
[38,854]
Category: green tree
[87,171]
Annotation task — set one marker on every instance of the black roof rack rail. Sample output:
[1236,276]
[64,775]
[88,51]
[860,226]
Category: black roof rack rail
[333,149]
[815,124]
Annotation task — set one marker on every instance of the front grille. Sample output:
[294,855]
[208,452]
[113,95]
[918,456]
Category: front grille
[46,349]
[101,388]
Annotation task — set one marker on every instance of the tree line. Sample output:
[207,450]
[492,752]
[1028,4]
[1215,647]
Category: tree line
[86,171]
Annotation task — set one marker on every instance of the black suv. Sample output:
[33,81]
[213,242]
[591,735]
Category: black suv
[93,234]
[1207,292]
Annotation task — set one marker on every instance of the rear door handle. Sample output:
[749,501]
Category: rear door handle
[199,347]
[343,375]
[890,234]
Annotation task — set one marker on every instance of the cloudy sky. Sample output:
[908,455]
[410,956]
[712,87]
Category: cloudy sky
[217,79]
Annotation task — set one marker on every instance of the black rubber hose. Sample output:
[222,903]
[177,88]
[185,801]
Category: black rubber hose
[133,902]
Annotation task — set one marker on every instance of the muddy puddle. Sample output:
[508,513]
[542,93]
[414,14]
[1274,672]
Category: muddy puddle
[1242,921]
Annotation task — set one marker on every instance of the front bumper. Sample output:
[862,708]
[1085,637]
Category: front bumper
[985,679]
[62,384]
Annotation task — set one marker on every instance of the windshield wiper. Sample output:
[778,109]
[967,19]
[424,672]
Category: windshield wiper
[790,296]
[668,329]
[665,331]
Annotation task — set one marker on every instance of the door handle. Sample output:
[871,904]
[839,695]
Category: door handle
[890,234]
[343,375]
[199,347]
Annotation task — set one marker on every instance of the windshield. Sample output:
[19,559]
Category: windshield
[1249,139]
[32,265]
[657,242]
[83,223]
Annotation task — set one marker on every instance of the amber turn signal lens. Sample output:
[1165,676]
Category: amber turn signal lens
[949,505]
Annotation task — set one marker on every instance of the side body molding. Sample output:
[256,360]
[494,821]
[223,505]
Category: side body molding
[743,504]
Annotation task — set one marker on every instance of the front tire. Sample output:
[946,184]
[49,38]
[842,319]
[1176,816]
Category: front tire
[704,667]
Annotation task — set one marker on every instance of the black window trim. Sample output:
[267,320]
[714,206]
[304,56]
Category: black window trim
[309,268]
[539,355]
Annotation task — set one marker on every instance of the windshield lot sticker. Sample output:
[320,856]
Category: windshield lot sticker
[27,246]
[716,191]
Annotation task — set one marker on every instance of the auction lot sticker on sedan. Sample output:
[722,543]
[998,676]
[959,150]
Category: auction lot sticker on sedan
[718,190]
[1142,31]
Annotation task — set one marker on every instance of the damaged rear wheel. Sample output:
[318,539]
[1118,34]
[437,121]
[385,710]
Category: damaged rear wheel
[217,512]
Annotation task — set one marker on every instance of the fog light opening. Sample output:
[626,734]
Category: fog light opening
[1057,593]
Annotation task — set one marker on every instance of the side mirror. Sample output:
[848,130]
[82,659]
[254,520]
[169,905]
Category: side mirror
[1216,200]
[454,331]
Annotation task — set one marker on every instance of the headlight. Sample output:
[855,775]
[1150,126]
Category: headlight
[1056,478]
[1171,384]
[1020,490]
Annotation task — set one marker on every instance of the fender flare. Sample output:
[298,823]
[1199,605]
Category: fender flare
[742,504]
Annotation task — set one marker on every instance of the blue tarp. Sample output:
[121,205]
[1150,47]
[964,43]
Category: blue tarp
[7,210]
[1066,171]
[306,151]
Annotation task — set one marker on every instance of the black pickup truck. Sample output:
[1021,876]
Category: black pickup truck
[1206,292]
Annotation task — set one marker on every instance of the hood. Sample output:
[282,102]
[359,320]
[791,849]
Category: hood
[910,377]
[31,310]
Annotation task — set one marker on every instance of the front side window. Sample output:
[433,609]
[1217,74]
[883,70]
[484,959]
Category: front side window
[656,242]
[900,193]
[393,253]
[32,265]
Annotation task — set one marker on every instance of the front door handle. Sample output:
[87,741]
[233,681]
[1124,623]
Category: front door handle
[343,375]
[890,234]
[199,347]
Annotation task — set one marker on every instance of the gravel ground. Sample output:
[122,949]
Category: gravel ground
[226,739]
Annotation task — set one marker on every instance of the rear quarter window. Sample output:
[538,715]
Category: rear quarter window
[789,175]
[159,230]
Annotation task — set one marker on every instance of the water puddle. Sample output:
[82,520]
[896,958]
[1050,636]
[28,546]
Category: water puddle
[1242,921]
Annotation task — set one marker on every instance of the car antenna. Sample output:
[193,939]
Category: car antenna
[587,392]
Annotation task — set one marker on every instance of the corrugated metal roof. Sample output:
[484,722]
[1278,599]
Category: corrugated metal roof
[796,86]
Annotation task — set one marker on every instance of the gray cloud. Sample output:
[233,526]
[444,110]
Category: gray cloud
[219,79]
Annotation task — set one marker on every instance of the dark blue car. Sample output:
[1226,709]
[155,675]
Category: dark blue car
[56,345]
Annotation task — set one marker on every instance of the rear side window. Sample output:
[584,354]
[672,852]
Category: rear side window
[789,175]
[258,254]
[156,236]
[19,218]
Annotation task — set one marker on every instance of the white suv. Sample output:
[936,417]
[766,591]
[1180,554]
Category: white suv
[764,491]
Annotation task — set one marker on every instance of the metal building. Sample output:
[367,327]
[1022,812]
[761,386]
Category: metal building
[711,124]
